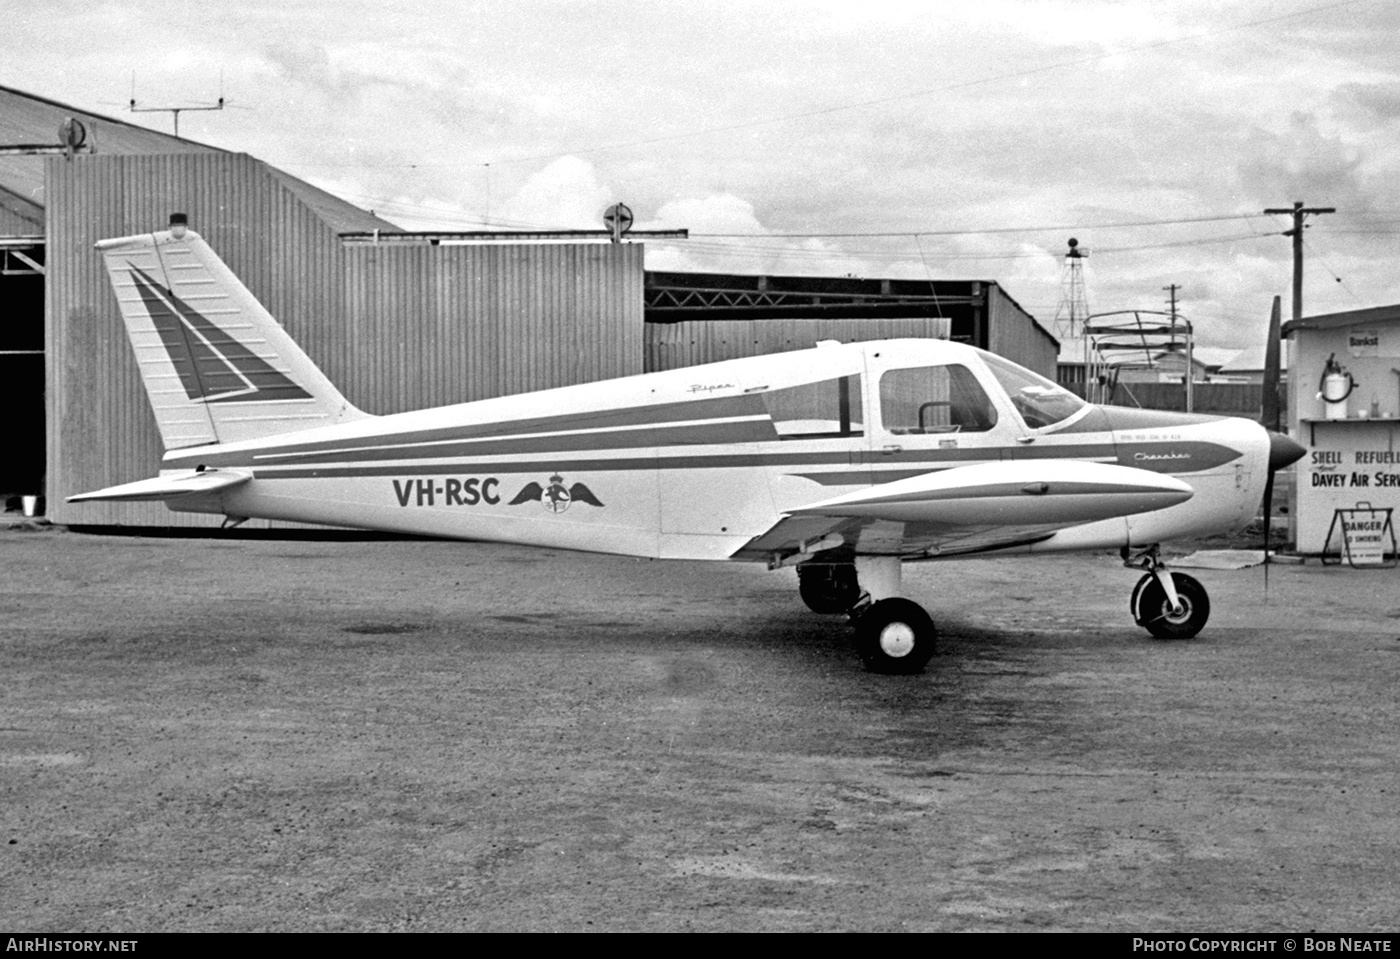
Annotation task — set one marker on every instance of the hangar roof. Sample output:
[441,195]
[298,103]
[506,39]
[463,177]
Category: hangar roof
[31,120]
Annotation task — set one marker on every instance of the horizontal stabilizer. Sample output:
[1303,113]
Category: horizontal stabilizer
[170,486]
[1039,492]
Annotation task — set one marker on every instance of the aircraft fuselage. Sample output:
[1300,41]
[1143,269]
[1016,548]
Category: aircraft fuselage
[699,463]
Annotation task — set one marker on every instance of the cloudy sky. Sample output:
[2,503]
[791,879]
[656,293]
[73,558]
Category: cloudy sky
[902,139]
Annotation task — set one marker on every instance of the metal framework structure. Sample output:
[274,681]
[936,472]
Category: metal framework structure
[21,255]
[672,297]
[1073,310]
[1134,339]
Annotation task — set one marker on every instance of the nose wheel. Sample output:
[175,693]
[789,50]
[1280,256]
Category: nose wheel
[1168,605]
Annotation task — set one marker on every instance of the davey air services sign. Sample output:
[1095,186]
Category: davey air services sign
[1350,464]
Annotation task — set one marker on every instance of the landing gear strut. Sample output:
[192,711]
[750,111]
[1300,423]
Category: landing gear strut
[894,635]
[1168,605]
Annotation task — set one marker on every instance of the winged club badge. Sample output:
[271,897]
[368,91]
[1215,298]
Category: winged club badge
[556,497]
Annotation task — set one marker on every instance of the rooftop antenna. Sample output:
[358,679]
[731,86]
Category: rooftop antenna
[176,111]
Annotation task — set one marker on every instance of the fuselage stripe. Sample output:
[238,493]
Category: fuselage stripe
[605,437]
[712,433]
[661,415]
[873,468]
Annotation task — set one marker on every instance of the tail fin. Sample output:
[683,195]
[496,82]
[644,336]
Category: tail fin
[217,367]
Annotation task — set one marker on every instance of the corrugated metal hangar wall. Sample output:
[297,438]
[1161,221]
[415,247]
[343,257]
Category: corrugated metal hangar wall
[1016,335]
[396,327]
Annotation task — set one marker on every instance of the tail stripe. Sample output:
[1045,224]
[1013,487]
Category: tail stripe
[212,365]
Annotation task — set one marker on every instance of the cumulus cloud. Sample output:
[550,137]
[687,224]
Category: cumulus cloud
[566,194]
[722,213]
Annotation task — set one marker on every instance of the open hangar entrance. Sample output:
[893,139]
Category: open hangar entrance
[694,318]
[22,365]
[34,132]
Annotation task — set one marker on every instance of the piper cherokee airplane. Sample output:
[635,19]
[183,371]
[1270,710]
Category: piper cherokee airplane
[844,461]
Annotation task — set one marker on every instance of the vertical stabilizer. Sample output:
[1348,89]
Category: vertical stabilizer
[217,367]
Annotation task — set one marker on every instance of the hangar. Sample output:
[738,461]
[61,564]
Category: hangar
[399,325]
[696,318]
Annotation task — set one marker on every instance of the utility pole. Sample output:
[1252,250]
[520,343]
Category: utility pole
[1190,378]
[1298,212]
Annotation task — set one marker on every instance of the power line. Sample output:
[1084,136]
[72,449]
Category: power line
[774,242]
[908,234]
[1328,266]
[756,244]
[389,206]
[780,245]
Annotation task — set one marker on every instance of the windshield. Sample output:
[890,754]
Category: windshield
[1040,402]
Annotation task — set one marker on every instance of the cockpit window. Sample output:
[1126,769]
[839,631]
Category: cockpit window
[935,399]
[1040,402]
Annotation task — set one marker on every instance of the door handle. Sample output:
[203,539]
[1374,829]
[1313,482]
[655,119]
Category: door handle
[892,449]
[1025,439]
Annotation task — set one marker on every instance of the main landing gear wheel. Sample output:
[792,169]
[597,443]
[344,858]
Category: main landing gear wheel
[828,587]
[895,636]
[1153,610]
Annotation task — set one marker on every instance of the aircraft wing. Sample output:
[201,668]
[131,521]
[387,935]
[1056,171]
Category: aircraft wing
[967,509]
[169,486]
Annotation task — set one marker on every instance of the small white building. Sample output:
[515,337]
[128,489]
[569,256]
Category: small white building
[1163,366]
[1344,403]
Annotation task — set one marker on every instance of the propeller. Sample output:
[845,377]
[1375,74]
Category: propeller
[1269,408]
[1282,450]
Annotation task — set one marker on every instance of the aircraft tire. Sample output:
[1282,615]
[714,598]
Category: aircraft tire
[828,587]
[1154,614]
[1135,603]
[895,636]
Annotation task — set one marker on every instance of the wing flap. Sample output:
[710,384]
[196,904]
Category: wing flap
[791,534]
[169,486]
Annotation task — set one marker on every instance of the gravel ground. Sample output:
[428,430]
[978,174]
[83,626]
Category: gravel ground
[337,734]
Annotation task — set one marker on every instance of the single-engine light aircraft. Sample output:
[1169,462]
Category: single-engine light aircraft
[844,460]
